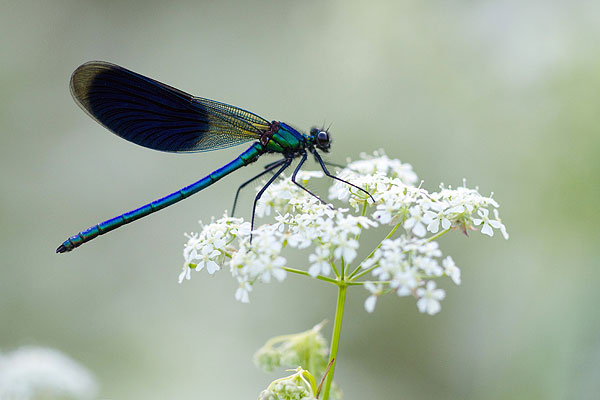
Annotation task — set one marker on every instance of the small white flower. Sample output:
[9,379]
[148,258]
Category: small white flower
[488,224]
[320,262]
[370,303]
[239,261]
[189,250]
[436,216]
[458,209]
[428,265]
[393,201]
[376,290]
[304,176]
[405,282]
[414,223]
[272,267]
[502,227]
[263,207]
[185,274]
[242,294]
[344,247]
[451,270]
[242,230]
[385,212]
[206,259]
[429,249]
[353,225]
[429,298]
[299,240]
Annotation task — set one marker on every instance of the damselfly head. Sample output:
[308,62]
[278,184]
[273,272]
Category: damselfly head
[321,138]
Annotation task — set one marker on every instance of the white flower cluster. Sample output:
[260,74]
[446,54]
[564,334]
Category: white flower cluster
[392,185]
[332,232]
[43,373]
[406,265]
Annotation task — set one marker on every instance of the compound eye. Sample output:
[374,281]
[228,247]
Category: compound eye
[323,138]
[314,131]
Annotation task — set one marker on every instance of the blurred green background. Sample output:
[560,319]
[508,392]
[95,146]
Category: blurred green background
[504,93]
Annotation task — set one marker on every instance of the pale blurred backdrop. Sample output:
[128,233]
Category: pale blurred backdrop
[503,93]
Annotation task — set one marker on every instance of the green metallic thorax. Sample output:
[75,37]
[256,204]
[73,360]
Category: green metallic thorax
[286,139]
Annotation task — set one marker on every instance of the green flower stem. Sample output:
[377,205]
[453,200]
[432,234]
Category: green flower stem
[335,339]
[311,379]
[362,214]
[438,235]
[349,284]
[389,235]
[301,272]
[335,270]
[364,209]
[366,271]
[362,283]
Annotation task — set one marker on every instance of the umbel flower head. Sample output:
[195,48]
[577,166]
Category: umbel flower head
[408,261]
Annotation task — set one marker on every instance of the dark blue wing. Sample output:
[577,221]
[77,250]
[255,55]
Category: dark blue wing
[158,116]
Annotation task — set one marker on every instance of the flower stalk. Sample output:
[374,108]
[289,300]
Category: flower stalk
[335,337]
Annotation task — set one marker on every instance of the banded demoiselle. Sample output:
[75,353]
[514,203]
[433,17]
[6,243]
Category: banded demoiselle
[154,115]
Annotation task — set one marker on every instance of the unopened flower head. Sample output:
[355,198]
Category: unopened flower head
[306,349]
[408,261]
[299,386]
